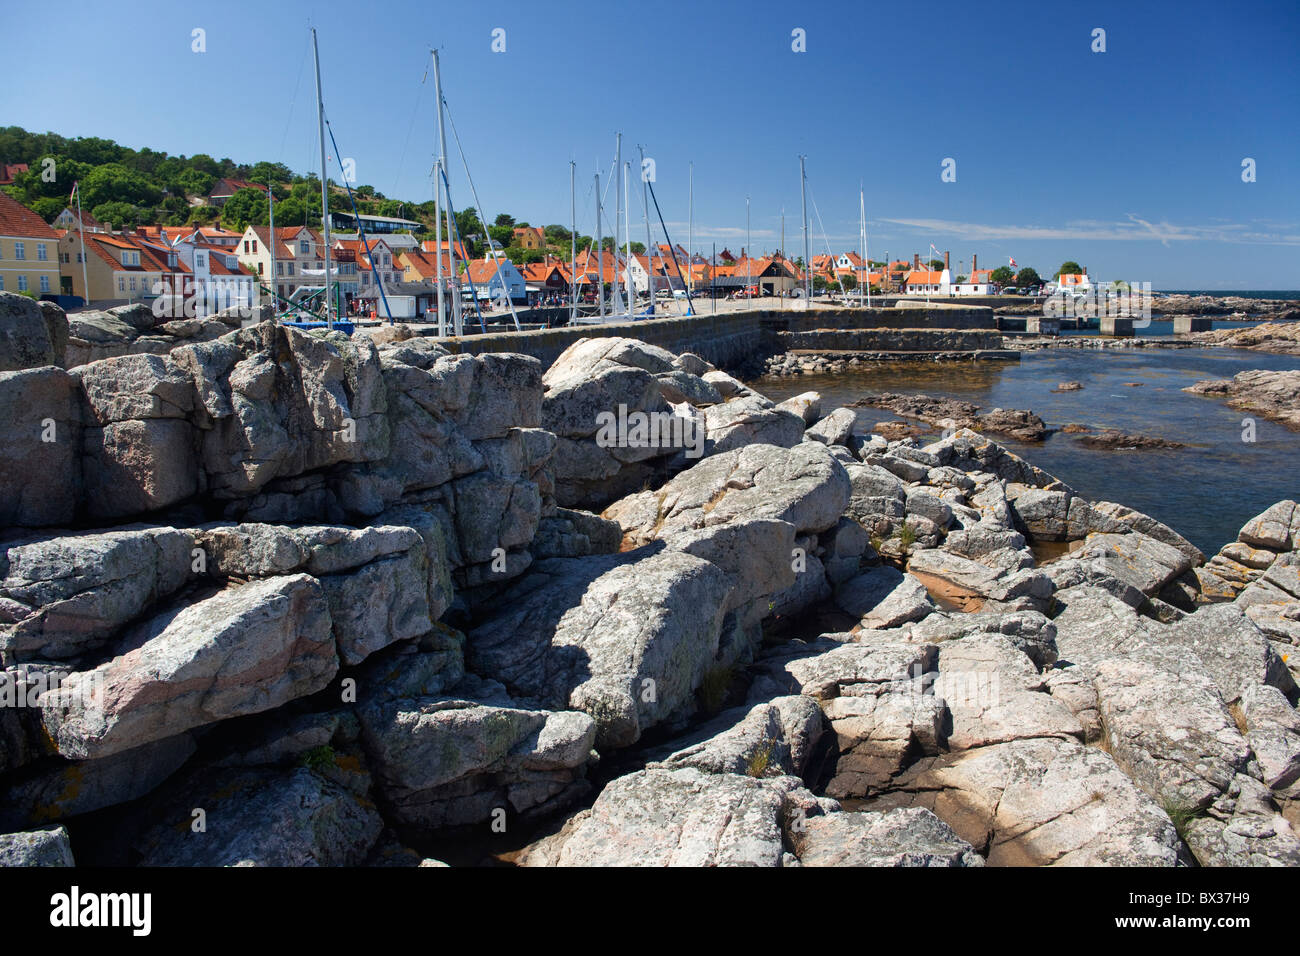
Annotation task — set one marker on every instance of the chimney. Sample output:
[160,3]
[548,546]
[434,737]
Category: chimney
[916,262]
[974,260]
[945,259]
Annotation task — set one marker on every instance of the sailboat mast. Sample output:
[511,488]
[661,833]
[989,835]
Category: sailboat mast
[600,258]
[573,247]
[690,234]
[862,234]
[807,259]
[270,212]
[618,209]
[437,243]
[649,244]
[457,328]
[627,241]
[324,183]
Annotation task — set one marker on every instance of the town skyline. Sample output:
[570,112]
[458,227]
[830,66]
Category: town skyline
[1153,194]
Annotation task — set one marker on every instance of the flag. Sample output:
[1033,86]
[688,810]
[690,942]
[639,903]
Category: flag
[1013,263]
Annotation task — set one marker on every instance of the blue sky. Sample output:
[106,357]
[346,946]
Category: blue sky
[1128,161]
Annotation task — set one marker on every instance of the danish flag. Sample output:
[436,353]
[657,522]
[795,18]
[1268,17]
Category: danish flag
[1013,263]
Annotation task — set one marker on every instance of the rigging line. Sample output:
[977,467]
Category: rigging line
[401,162]
[360,229]
[826,239]
[453,224]
[483,219]
[292,103]
[673,252]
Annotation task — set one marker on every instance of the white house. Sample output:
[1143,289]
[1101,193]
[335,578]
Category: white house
[493,277]
[928,282]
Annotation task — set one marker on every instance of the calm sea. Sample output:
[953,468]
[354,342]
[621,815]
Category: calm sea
[1205,491]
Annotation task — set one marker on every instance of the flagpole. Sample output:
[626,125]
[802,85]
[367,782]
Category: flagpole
[85,283]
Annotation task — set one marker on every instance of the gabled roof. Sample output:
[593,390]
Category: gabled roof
[481,271]
[17,220]
[924,277]
[424,264]
[228,187]
[428,246]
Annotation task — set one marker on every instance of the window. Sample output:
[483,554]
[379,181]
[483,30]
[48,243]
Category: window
[254,245]
[132,283]
[19,251]
[45,283]
[279,268]
[22,283]
[2,283]
[259,268]
[291,268]
[200,260]
[304,248]
[81,256]
[41,255]
[245,246]
[121,284]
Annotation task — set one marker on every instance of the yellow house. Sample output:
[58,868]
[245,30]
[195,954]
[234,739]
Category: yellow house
[530,237]
[29,250]
[120,268]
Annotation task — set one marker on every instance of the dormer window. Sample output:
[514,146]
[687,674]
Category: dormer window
[304,247]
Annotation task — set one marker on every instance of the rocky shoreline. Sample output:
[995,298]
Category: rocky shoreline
[350,598]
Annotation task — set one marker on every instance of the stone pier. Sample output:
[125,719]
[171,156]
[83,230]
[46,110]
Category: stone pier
[1191,323]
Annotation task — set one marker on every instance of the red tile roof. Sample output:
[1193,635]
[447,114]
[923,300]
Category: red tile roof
[17,220]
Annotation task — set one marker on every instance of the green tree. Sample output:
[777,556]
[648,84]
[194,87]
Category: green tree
[850,282]
[936,264]
[246,207]
[48,207]
[1028,277]
[1003,276]
[505,219]
[117,214]
[1069,267]
[202,215]
[113,183]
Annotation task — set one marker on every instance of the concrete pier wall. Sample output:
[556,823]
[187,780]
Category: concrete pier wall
[733,339]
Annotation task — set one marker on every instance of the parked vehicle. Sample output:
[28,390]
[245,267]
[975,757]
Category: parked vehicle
[64,302]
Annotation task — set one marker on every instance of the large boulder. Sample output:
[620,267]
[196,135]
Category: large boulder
[625,638]
[903,837]
[40,462]
[305,816]
[67,595]
[774,738]
[275,402]
[1041,802]
[29,337]
[47,847]
[241,651]
[447,760]
[805,486]
[661,817]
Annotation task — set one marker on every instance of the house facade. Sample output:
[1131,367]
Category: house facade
[29,251]
[491,278]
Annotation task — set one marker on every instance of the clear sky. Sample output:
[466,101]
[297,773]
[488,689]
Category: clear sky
[1128,161]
